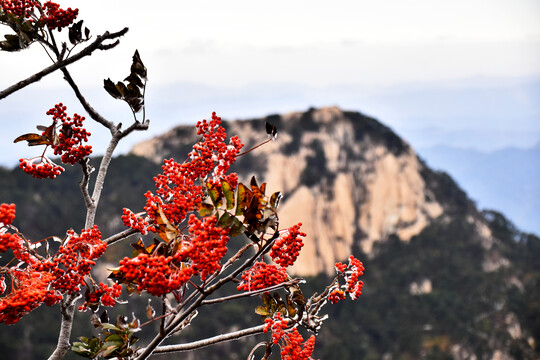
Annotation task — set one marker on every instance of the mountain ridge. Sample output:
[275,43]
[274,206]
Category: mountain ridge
[348,178]
[443,280]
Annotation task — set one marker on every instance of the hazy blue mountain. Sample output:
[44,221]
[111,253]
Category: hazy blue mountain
[507,180]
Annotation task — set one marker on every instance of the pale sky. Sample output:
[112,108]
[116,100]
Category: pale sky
[413,64]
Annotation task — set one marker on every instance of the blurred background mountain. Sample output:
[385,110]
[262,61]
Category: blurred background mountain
[507,179]
[444,280]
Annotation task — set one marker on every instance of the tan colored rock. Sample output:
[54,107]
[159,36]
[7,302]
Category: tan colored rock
[369,191]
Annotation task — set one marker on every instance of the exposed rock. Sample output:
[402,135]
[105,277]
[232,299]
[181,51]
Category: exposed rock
[346,177]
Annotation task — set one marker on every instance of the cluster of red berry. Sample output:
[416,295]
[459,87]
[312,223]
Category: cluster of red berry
[291,347]
[40,167]
[29,289]
[57,18]
[49,13]
[198,254]
[276,324]
[71,136]
[177,191]
[353,286]
[261,275]
[37,280]
[19,8]
[74,260]
[7,240]
[157,274]
[7,214]
[286,249]
[336,295]
[134,221]
[208,245]
[289,340]
[68,144]
[103,294]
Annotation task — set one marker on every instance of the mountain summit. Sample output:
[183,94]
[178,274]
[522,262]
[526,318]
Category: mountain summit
[442,281]
[349,179]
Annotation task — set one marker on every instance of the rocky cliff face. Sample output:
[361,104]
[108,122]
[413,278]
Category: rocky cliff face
[443,280]
[349,179]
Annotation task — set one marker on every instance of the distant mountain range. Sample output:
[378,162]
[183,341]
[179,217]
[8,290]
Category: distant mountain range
[443,280]
[506,180]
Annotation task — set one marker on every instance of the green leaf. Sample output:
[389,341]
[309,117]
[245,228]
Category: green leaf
[111,327]
[243,198]
[114,338]
[237,227]
[215,193]
[291,307]
[205,209]
[274,200]
[229,194]
[263,310]
[225,220]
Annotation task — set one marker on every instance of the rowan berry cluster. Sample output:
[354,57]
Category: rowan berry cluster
[74,259]
[177,189]
[336,296]
[68,144]
[157,274]
[44,280]
[19,8]
[40,167]
[351,273]
[291,347]
[49,13]
[197,254]
[29,289]
[103,294]
[134,221]
[71,136]
[286,248]
[276,324]
[261,276]
[8,240]
[7,214]
[57,18]
[208,246]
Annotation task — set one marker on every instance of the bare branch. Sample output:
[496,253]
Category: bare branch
[86,169]
[96,45]
[210,341]
[100,180]
[137,125]
[251,293]
[67,307]
[120,236]
[89,109]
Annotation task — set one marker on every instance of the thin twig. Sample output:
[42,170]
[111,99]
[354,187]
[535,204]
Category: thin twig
[89,109]
[100,180]
[97,44]
[251,293]
[120,236]
[86,169]
[210,341]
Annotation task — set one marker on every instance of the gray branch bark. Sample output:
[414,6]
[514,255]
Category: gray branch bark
[96,45]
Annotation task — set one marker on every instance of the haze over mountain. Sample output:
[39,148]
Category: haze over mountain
[507,179]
